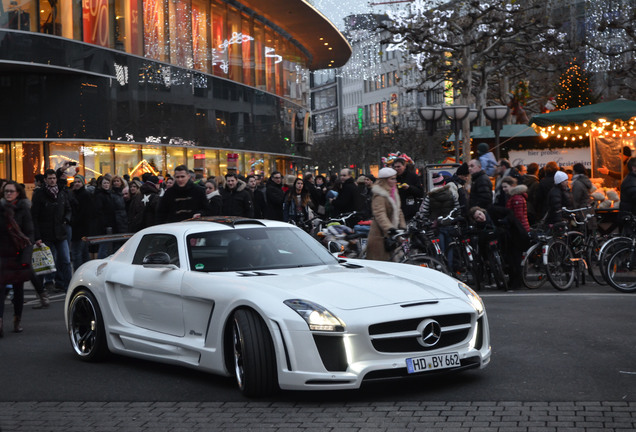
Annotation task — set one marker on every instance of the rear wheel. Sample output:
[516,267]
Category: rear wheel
[496,269]
[427,261]
[593,248]
[86,327]
[533,271]
[621,270]
[254,356]
[561,268]
[608,250]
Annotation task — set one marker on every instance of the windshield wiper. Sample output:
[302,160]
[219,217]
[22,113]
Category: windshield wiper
[347,264]
[254,273]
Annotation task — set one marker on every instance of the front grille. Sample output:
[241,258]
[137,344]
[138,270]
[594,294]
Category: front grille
[455,329]
[332,352]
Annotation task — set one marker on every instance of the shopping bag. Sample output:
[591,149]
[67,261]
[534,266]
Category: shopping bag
[42,260]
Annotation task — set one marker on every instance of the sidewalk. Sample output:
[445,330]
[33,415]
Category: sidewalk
[284,416]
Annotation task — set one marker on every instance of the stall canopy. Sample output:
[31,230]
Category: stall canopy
[619,109]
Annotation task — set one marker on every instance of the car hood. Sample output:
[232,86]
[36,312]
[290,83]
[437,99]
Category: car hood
[350,289]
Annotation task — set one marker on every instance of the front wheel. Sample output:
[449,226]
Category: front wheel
[254,356]
[533,271]
[621,270]
[560,269]
[86,327]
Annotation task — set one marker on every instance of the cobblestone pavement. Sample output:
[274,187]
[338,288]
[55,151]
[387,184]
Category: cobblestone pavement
[279,416]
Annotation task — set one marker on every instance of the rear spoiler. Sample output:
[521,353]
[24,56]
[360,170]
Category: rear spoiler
[107,238]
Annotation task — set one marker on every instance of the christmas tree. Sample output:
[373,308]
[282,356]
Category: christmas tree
[573,90]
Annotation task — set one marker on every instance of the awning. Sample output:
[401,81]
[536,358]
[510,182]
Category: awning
[508,131]
[619,109]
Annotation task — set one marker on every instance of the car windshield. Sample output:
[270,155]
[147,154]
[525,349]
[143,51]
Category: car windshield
[249,249]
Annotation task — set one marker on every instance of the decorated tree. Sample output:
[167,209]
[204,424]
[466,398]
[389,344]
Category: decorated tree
[573,88]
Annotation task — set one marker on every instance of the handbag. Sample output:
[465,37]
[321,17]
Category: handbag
[20,241]
[42,260]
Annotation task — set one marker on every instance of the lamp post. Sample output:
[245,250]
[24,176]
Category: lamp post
[496,114]
[430,116]
[456,113]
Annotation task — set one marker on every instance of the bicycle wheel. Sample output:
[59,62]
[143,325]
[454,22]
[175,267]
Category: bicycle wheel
[593,247]
[560,267]
[608,250]
[621,270]
[496,269]
[533,271]
[428,262]
[460,265]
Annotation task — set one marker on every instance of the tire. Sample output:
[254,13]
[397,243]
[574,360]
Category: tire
[253,355]
[533,272]
[560,269]
[608,250]
[496,268]
[621,270]
[427,261]
[86,327]
[593,248]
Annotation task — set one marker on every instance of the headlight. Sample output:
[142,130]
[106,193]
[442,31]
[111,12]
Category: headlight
[473,298]
[318,318]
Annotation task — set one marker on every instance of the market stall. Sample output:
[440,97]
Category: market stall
[609,128]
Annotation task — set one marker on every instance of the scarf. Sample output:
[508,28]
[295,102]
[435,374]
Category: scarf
[52,190]
[213,194]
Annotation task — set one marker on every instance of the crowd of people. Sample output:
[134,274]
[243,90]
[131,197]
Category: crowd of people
[65,208]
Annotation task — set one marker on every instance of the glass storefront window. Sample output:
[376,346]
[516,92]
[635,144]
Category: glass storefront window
[64,152]
[127,159]
[212,163]
[200,36]
[156,44]
[235,39]
[96,18]
[247,48]
[259,56]
[27,161]
[219,49]
[152,160]
[98,160]
[175,156]
[19,15]
[127,34]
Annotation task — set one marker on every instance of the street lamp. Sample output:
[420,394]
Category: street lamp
[496,114]
[456,113]
[430,116]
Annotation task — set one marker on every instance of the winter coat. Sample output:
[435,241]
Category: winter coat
[142,211]
[237,201]
[16,264]
[387,214]
[105,212]
[83,217]
[275,197]
[628,194]
[50,215]
[480,191]
[410,197]
[541,197]
[488,163]
[121,215]
[182,202]
[532,182]
[557,199]
[215,201]
[439,202]
[349,198]
[517,202]
[293,212]
[581,189]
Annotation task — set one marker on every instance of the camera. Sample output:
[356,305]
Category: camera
[72,163]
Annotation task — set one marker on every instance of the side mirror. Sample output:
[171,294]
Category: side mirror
[157,259]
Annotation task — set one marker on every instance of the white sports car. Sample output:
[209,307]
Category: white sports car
[264,301]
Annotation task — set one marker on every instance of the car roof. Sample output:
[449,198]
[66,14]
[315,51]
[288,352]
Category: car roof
[213,223]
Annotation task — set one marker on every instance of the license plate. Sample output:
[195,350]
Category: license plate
[434,362]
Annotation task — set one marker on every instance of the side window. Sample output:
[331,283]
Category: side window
[153,243]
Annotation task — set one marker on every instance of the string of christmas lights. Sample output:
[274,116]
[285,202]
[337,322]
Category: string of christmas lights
[600,129]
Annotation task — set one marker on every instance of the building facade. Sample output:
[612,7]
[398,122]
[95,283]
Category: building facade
[129,86]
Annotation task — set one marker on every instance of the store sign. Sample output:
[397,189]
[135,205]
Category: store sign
[562,156]
[199,156]
[95,18]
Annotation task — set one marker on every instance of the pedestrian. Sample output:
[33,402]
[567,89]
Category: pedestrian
[215,201]
[460,178]
[409,186]
[349,198]
[546,183]
[503,170]
[236,198]
[275,197]
[487,159]
[480,186]
[143,207]
[625,155]
[627,207]
[558,197]
[387,214]
[442,199]
[531,180]
[51,212]
[582,187]
[516,200]
[16,259]
[184,200]
[82,221]
[296,205]
[110,214]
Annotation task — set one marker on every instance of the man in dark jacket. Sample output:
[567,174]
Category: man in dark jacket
[628,194]
[236,198]
[349,198]
[545,186]
[531,180]
[51,211]
[480,186]
[409,187]
[275,197]
[82,221]
[184,200]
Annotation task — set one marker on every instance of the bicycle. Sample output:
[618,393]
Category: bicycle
[613,245]
[621,269]
[460,254]
[533,270]
[489,262]
[402,252]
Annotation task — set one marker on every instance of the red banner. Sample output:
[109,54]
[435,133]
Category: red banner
[95,18]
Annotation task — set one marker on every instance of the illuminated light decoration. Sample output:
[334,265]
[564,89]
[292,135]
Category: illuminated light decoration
[599,15]
[602,128]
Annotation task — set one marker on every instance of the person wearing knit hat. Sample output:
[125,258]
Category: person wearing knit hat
[487,159]
[462,170]
[387,214]
[80,177]
[559,196]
